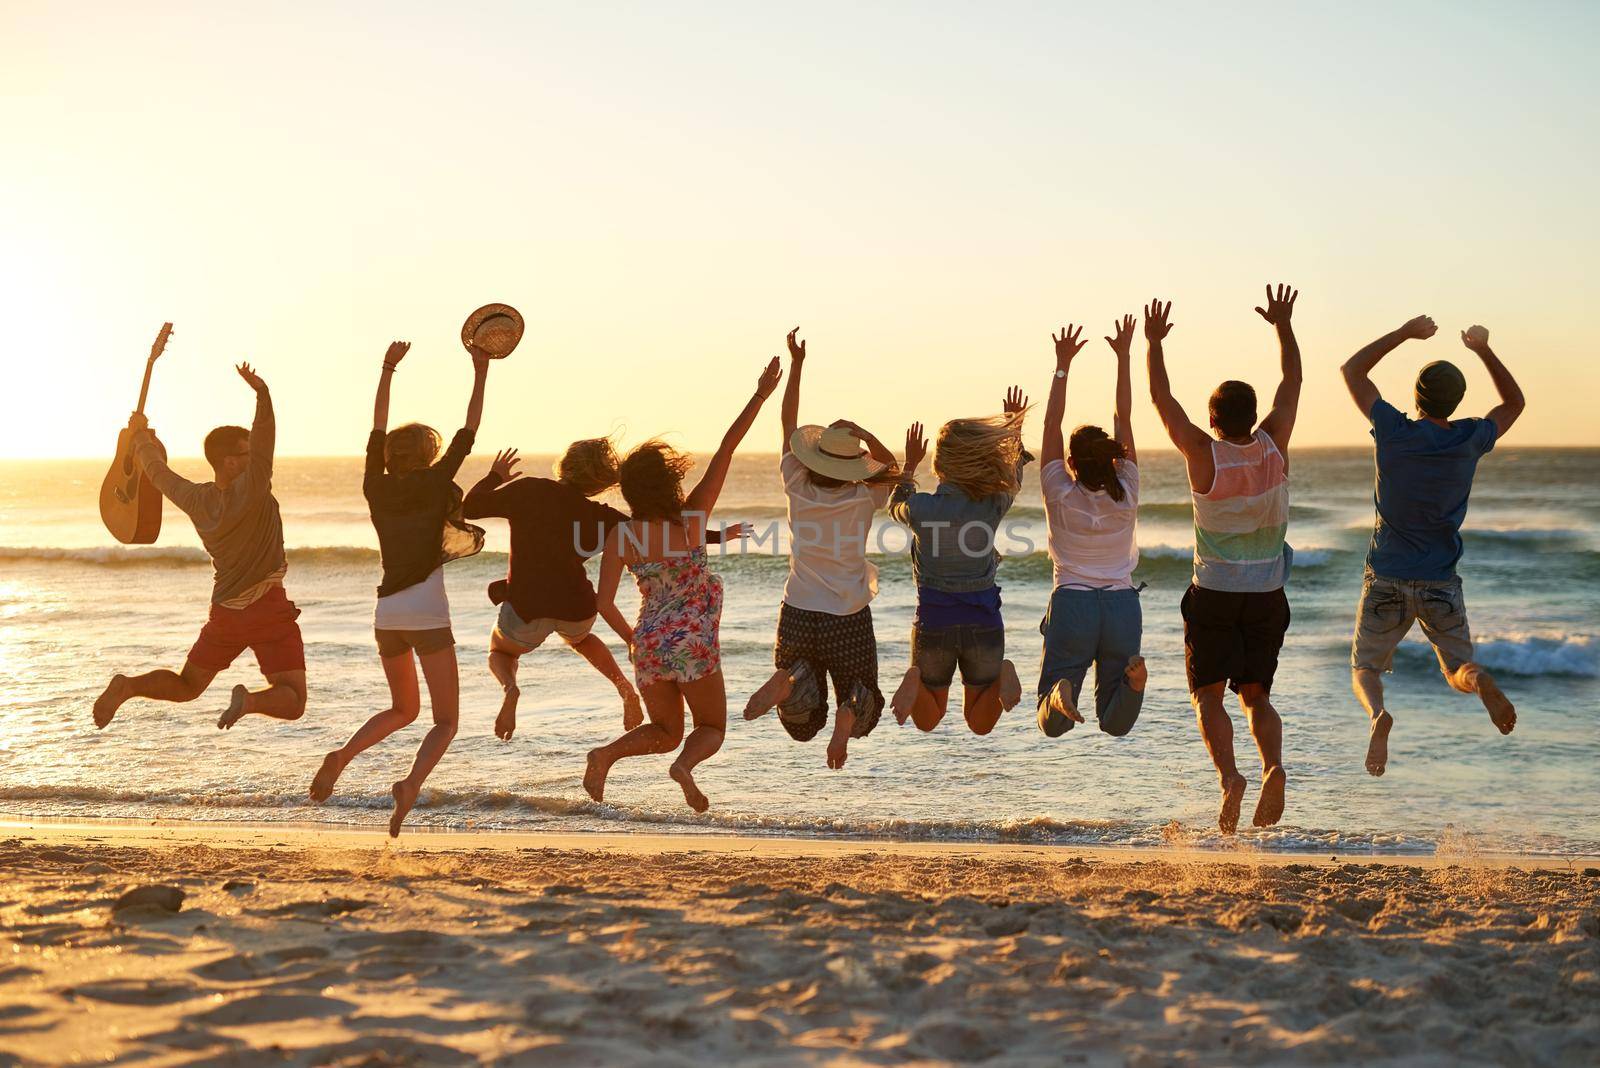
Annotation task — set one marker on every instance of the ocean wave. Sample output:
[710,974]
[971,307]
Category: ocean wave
[1519,535]
[186,556]
[1577,657]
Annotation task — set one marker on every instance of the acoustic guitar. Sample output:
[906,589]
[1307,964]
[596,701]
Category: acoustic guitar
[130,504]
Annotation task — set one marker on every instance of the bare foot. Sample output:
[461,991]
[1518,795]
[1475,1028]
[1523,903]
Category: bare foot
[1059,711]
[235,709]
[1010,686]
[1378,744]
[110,699]
[1501,713]
[691,792]
[1136,673]
[632,708]
[405,795]
[1269,806]
[594,776]
[772,693]
[905,698]
[505,724]
[839,745]
[1232,798]
[327,776]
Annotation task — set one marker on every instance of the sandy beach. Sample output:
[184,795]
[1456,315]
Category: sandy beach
[297,945]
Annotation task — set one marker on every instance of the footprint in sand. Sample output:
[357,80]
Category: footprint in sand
[275,1008]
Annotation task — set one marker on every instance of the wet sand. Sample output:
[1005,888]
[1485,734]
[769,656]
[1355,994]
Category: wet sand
[307,946]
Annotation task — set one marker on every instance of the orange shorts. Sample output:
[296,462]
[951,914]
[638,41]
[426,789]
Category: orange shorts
[267,628]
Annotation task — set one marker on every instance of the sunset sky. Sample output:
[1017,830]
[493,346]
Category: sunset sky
[664,190]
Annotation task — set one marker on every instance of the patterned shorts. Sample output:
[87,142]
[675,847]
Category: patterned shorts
[817,646]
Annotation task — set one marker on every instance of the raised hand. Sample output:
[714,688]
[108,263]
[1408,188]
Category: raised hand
[916,446]
[396,352]
[770,377]
[1475,338]
[1421,328]
[138,422]
[846,424]
[1156,326]
[1279,307]
[1121,339]
[505,463]
[1068,344]
[797,350]
[737,530]
[1015,401]
[250,377]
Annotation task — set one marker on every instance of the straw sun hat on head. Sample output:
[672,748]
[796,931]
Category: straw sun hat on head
[834,452]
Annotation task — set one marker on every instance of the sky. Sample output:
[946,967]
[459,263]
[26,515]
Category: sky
[664,190]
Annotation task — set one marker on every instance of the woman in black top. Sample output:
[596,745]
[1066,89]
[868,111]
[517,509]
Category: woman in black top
[416,510]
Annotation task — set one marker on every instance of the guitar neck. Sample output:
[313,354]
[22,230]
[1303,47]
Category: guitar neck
[144,390]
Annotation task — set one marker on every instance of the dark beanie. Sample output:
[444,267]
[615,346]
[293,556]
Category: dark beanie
[1440,387]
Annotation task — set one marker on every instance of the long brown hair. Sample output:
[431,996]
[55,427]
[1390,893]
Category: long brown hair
[589,466]
[1095,454]
[651,476]
[980,456]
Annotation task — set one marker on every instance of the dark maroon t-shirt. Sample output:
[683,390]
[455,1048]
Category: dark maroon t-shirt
[554,529]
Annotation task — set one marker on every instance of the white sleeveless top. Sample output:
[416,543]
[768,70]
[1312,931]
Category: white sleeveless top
[1092,537]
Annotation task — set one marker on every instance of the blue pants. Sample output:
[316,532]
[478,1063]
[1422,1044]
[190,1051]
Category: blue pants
[1099,627]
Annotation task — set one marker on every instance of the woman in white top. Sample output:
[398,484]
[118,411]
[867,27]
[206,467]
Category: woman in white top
[1091,497]
[835,478]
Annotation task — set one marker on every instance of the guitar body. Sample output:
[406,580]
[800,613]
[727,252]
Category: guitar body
[130,504]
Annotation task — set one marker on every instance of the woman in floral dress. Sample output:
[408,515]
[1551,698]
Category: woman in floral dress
[677,659]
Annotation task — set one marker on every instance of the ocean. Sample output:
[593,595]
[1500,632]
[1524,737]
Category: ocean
[74,608]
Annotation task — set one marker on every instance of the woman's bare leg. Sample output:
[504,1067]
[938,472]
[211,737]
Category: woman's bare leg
[923,706]
[444,696]
[982,705]
[404,703]
[663,703]
[592,649]
[708,706]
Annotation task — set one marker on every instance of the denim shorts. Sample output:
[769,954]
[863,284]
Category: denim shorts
[533,632]
[977,650]
[1390,606]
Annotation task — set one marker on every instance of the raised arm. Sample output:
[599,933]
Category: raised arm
[1279,423]
[263,430]
[790,411]
[391,360]
[1190,439]
[705,493]
[605,594]
[1121,342]
[1055,406]
[484,500]
[1357,370]
[875,448]
[900,499]
[480,376]
[1511,400]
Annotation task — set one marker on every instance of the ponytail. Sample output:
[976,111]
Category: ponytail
[1095,455]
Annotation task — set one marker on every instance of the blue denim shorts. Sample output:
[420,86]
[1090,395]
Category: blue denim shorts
[977,650]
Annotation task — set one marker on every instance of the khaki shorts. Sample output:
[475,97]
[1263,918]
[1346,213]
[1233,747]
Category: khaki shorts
[532,633]
[1390,606]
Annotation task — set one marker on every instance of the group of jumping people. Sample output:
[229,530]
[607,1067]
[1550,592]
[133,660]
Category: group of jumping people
[836,478]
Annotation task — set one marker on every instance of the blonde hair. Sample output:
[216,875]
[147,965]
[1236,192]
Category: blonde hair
[410,448]
[980,456]
[589,466]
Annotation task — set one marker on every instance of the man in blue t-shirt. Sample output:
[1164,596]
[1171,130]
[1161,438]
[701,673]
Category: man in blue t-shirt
[1425,469]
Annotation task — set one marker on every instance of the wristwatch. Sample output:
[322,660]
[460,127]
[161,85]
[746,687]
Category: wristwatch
[1060,373]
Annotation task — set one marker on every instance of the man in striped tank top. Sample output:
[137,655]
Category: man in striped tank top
[1235,613]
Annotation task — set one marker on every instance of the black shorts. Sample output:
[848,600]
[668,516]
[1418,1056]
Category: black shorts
[403,642]
[843,648]
[1233,637]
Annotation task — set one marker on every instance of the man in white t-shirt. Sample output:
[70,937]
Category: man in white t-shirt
[835,478]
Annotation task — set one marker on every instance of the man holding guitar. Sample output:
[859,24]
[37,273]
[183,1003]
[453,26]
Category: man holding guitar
[237,519]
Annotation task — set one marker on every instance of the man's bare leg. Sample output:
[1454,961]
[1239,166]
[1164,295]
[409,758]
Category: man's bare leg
[773,692]
[1368,685]
[844,722]
[592,649]
[503,657]
[1217,730]
[404,703]
[1470,678]
[1267,729]
[444,696]
[284,698]
[664,733]
[158,685]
